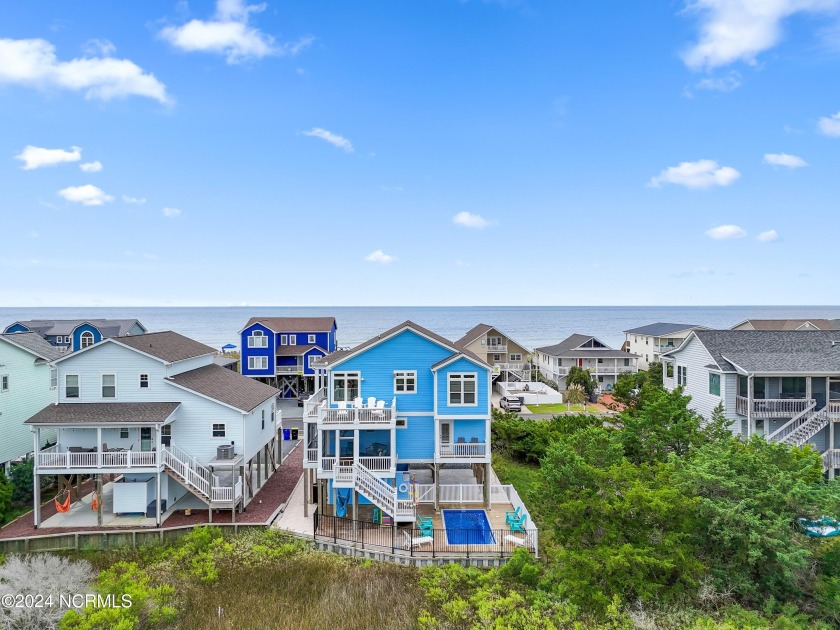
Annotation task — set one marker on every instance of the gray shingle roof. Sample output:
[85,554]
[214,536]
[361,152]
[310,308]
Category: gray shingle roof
[105,413]
[34,343]
[108,327]
[660,329]
[787,324]
[790,351]
[331,359]
[569,348]
[293,351]
[474,333]
[294,324]
[226,386]
[168,346]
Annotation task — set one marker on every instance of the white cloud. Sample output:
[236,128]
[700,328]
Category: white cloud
[738,30]
[726,232]
[715,84]
[381,257]
[36,157]
[768,236]
[470,220]
[699,174]
[171,213]
[830,125]
[228,33]
[99,48]
[33,63]
[91,167]
[784,159]
[87,195]
[134,200]
[328,136]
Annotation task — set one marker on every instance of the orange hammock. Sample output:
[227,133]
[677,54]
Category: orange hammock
[63,506]
[94,505]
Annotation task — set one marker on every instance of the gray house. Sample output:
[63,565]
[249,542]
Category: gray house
[784,385]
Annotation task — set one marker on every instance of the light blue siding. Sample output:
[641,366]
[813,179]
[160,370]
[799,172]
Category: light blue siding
[405,351]
[481,408]
[469,429]
[417,439]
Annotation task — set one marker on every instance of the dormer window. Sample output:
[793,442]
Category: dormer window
[258,339]
[87,339]
[311,339]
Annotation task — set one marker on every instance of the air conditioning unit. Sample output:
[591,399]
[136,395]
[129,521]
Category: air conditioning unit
[225,451]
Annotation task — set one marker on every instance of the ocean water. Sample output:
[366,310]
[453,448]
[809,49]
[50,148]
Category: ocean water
[532,326]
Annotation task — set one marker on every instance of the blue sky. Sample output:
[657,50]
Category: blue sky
[419,153]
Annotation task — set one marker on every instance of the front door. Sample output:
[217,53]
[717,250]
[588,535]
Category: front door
[445,436]
[145,438]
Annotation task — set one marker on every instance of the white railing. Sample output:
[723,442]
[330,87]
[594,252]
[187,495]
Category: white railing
[188,468]
[472,449]
[424,492]
[358,415]
[310,405]
[289,369]
[312,455]
[327,464]
[781,434]
[510,366]
[461,493]
[831,459]
[376,464]
[53,458]
[813,424]
[773,407]
[666,348]
[343,474]
[531,532]
[227,494]
[833,410]
[498,349]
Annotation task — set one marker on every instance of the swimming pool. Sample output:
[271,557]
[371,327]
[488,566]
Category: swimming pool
[467,527]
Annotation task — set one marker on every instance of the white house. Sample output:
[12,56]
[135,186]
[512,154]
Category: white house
[155,409]
[787,324]
[27,385]
[784,385]
[588,352]
[650,341]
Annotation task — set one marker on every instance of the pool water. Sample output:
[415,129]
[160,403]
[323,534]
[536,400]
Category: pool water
[467,527]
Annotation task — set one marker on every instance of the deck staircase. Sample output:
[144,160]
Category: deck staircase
[197,478]
[381,494]
[802,427]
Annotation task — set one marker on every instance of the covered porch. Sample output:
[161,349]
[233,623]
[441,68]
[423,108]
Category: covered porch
[784,396]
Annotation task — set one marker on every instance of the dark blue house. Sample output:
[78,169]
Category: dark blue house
[70,335]
[280,350]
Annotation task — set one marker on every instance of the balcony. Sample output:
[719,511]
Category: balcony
[358,415]
[463,450]
[61,458]
[289,369]
[496,349]
[664,348]
[772,407]
[379,464]
[311,404]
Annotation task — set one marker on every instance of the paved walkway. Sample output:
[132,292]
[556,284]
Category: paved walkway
[292,518]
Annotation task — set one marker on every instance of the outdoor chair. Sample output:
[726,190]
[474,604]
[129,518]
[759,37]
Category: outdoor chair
[514,515]
[358,402]
[518,525]
[380,404]
[371,401]
[473,440]
[104,447]
[461,440]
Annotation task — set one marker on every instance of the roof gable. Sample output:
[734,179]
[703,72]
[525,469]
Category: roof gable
[225,386]
[293,324]
[33,343]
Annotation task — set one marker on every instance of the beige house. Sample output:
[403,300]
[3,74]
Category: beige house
[508,358]
[650,341]
[787,324]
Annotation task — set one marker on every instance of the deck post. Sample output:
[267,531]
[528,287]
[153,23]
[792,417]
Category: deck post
[99,499]
[259,470]
[750,384]
[487,486]
[307,490]
[830,441]
[36,488]
[436,471]
[157,499]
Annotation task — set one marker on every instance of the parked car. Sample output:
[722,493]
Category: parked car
[302,397]
[511,403]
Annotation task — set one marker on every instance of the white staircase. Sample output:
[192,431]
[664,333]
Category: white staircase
[802,427]
[187,471]
[381,494]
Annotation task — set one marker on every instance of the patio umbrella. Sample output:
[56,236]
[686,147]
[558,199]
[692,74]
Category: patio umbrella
[228,346]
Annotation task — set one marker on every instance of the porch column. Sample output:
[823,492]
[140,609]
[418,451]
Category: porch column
[436,470]
[830,442]
[487,486]
[355,446]
[157,499]
[749,405]
[99,448]
[36,488]
[393,449]
[259,470]
[808,388]
[99,499]
[307,490]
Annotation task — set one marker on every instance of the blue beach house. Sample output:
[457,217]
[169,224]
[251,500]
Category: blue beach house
[397,405]
[70,335]
[280,351]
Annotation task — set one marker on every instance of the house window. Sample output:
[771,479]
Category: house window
[272,413]
[311,339]
[497,357]
[263,419]
[515,358]
[682,375]
[600,379]
[257,363]
[258,339]
[144,381]
[4,383]
[462,389]
[405,382]
[71,385]
[109,386]
[626,362]
[793,387]
[284,340]
[669,369]
[714,384]
[219,430]
[124,433]
[600,360]
[166,434]
[311,359]
[53,378]
[345,386]
[87,339]
[292,340]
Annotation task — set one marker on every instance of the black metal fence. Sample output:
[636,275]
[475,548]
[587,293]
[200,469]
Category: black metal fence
[410,541]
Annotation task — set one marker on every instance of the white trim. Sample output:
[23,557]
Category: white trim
[102,385]
[463,380]
[213,429]
[311,339]
[140,376]
[262,337]
[4,389]
[284,340]
[460,355]
[292,340]
[82,337]
[331,385]
[53,371]
[405,375]
[253,359]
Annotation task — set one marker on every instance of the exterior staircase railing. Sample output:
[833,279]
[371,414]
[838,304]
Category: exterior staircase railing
[377,491]
[198,477]
[780,434]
